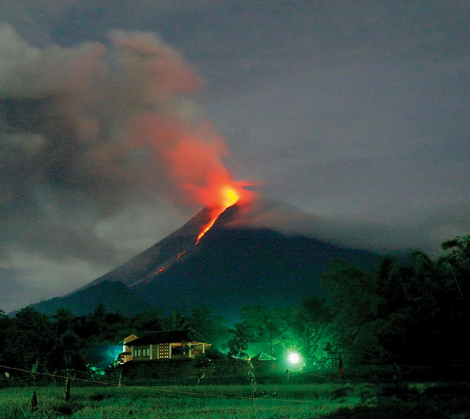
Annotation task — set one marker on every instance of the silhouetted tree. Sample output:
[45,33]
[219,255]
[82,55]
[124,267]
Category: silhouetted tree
[210,326]
[28,339]
[241,337]
[264,324]
[457,260]
[67,352]
[146,321]
[175,321]
[306,328]
[411,311]
[63,320]
[4,325]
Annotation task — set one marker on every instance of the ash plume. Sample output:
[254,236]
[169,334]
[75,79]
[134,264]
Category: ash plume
[90,132]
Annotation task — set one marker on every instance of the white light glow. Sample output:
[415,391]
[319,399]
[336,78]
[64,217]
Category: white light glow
[294,358]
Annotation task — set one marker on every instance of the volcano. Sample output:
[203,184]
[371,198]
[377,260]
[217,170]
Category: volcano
[227,268]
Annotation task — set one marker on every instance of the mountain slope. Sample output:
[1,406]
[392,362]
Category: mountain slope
[248,267]
[159,255]
[116,296]
[229,268]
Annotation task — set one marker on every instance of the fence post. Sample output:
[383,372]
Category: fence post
[34,401]
[67,387]
[200,376]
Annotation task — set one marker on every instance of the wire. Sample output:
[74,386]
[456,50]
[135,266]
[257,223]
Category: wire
[154,389]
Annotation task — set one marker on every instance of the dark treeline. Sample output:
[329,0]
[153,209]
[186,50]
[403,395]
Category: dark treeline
[414,312]
[411,312]
[34,341]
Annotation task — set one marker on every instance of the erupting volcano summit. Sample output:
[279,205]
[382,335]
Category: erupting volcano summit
[217,260]
[228,196]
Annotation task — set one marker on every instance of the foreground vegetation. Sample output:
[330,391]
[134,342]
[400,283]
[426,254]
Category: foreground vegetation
[327,401]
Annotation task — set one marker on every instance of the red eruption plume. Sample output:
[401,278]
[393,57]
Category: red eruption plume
[191,156]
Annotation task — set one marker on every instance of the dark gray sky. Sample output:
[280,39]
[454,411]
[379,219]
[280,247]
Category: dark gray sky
[356,113]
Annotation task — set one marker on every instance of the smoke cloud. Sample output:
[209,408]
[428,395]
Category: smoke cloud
[90,132]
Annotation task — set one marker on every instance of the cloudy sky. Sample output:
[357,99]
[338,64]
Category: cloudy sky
[355,113]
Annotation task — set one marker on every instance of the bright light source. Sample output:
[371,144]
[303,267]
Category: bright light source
[294,358]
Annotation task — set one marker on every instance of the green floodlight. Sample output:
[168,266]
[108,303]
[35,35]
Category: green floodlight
[294,358]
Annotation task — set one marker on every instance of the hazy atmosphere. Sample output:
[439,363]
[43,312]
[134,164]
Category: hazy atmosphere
[351,116]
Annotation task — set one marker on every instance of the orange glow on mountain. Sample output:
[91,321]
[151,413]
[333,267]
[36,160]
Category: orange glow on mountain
[162,269]
[191,156]
[226,196]
[230,196]
[207,228]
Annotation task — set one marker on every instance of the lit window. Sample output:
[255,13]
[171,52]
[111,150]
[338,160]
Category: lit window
[164,350]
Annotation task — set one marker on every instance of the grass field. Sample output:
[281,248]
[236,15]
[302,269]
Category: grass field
[281,401]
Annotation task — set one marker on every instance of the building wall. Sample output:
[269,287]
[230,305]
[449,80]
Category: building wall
[165,351]
[141,352]
[154,350]
[197,350]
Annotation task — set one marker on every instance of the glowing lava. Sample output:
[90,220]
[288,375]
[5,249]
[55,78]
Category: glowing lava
[162,269]
[228,196]
[222,197]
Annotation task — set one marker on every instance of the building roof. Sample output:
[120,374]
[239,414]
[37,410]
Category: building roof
[168,337]
[262,356]
[130,338]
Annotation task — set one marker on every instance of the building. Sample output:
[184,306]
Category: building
[126,354]
[164,345]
